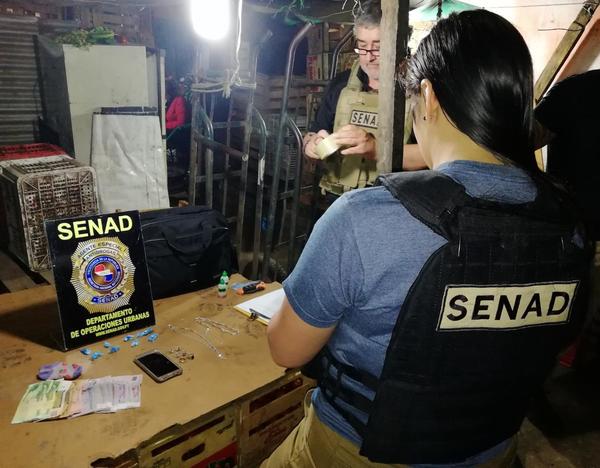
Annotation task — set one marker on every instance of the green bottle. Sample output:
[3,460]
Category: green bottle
[222,288]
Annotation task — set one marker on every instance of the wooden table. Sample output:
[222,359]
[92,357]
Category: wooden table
[28,327]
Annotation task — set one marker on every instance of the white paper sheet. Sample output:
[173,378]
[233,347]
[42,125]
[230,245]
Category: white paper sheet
[265,306]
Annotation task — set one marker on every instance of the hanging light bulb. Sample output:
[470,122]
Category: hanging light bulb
[211,18]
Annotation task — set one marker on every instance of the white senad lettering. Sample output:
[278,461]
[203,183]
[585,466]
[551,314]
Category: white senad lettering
[125,223]
[79,229]
[64,233]
[110,226]
[87,228]
[506,307]
[95,227]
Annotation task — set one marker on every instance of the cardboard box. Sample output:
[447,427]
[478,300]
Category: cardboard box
[269,416]
[312,67]
[317,66]
[336,33]
[201,443]
[323,38]
[315,37]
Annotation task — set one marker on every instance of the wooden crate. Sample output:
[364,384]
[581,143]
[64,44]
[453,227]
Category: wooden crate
[30,9]
[269,93]
[134,26]
[268,416]
[205,441]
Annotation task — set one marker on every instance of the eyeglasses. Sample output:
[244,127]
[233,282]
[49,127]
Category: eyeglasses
[373,52]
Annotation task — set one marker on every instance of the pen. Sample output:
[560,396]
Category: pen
[254,314]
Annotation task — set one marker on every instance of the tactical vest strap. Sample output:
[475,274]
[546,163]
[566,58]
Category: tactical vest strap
[359,426]
[329,372]
[354,82]
[433,208]
[436,205]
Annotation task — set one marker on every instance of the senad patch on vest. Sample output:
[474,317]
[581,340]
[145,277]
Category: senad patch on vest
[473,307]
[363,118]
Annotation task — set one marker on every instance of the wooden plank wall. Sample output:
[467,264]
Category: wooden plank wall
[132,23]
[30,9]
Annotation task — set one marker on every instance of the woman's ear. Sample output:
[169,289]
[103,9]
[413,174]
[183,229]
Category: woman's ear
[432,104]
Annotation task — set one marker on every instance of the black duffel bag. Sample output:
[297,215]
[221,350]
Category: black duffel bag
[186,249]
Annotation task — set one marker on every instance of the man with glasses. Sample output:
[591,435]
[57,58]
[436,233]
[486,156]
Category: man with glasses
[349,113]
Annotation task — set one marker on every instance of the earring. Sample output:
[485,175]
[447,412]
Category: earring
[424,117]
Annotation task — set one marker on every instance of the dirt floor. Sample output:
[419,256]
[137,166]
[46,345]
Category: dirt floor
[563,428]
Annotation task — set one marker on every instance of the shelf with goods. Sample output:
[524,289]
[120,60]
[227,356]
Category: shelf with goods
[322,40]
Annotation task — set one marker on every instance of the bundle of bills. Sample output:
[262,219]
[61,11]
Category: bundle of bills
[55,399]
[44,400]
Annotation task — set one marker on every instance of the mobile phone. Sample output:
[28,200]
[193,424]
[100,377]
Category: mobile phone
[157,365]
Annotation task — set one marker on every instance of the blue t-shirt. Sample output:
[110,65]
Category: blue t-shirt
[359,263]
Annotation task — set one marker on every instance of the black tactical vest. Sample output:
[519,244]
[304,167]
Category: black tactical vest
[480,328]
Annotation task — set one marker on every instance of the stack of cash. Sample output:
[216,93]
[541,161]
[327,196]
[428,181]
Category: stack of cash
[55,399]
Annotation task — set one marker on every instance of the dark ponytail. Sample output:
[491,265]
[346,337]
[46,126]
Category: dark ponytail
[481,71]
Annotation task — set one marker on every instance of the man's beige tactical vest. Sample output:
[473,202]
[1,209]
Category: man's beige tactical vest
[360,108]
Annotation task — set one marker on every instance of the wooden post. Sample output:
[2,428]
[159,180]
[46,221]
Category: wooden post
[394,37]
[563,49]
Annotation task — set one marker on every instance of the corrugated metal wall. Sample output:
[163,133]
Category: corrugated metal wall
[20,103]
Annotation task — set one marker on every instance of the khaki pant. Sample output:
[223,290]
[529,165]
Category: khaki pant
[312,444]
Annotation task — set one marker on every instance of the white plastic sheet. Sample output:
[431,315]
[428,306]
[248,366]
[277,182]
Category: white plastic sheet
[130,164]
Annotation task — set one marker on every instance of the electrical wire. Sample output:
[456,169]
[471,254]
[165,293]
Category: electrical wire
[539,5]
[420,3]
[232,76]
[561,29]
[356,9]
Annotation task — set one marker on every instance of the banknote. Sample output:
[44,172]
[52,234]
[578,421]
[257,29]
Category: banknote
[44,400]
[54,399]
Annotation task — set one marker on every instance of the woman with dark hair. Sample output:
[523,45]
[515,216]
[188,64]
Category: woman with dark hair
[485,95]
[176,106]
[431,308]
[178,133]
